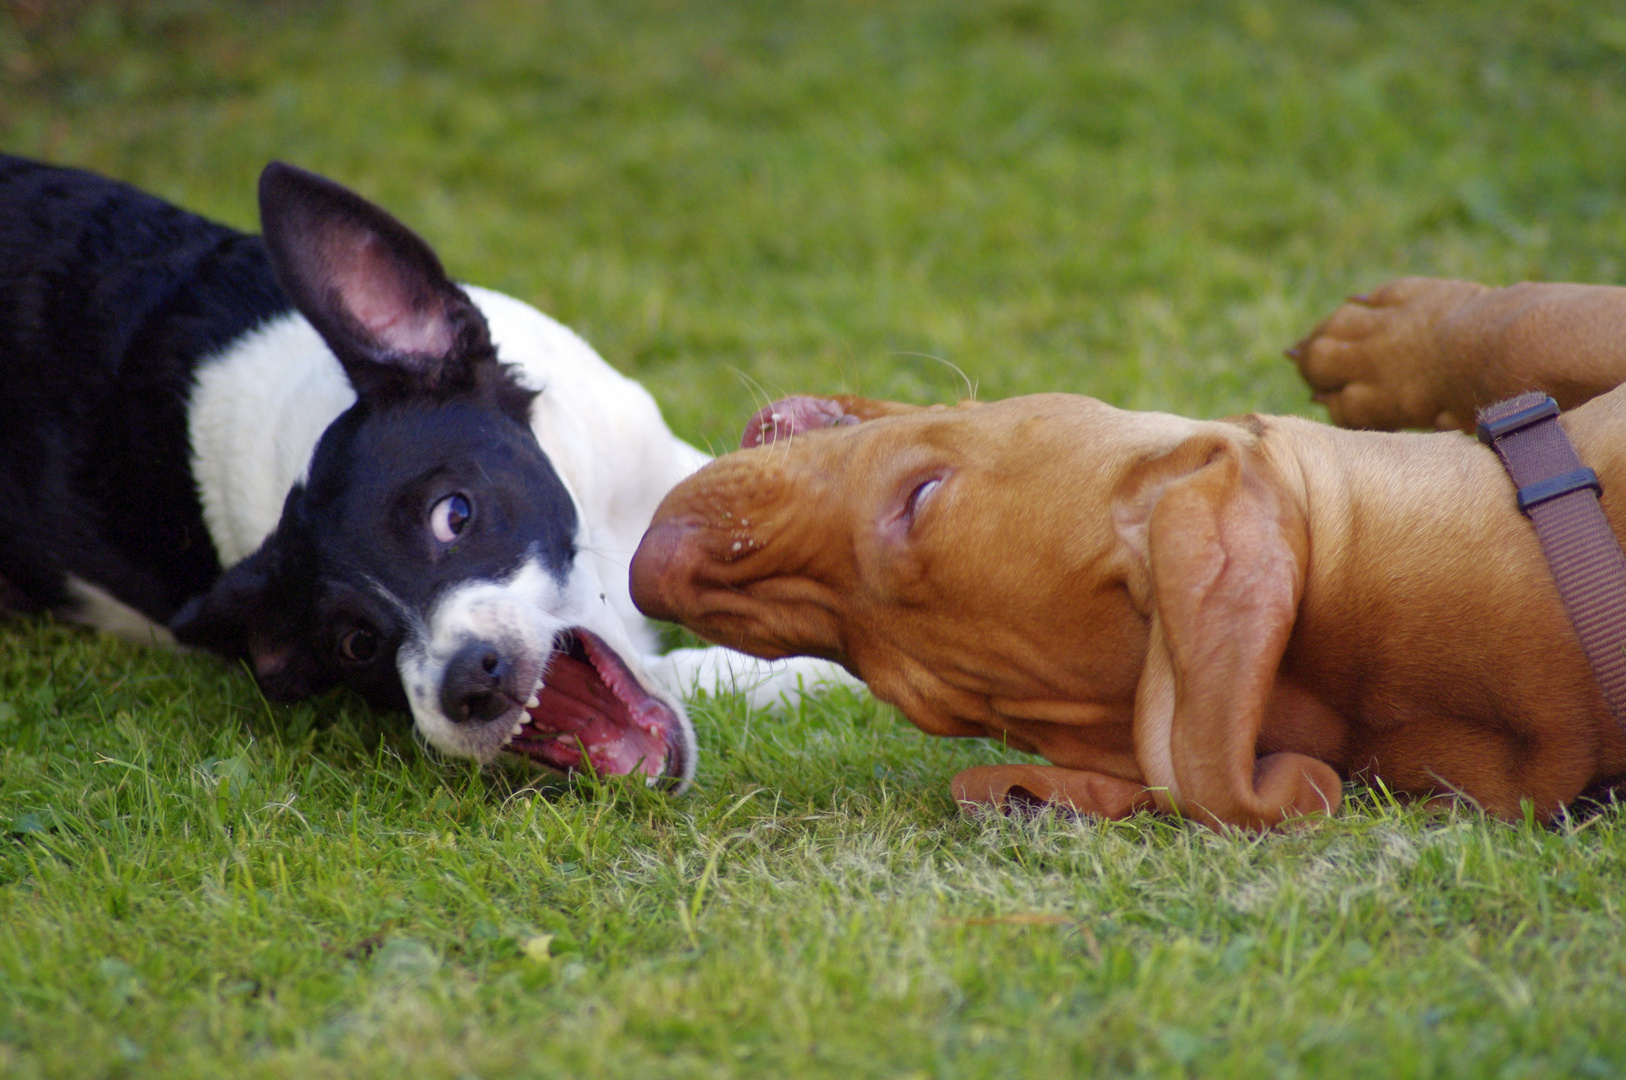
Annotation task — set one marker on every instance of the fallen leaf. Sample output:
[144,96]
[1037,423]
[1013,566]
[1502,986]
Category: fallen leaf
[537,948]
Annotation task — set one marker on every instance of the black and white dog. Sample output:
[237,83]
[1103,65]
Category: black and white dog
[316,452]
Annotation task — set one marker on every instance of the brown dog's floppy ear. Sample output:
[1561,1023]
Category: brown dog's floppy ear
[1030,787]
[1225,550]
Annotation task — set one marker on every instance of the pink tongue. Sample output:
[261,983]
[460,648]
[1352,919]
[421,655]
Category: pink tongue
[577,705]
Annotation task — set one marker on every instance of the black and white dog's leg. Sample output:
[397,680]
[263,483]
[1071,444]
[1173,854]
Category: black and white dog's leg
[765,684]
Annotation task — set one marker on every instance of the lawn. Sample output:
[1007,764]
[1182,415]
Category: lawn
[1141,201]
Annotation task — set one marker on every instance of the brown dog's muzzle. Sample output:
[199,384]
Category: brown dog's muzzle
[667,561]
[752,552]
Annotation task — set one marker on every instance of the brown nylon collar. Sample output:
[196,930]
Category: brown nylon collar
[1560,496]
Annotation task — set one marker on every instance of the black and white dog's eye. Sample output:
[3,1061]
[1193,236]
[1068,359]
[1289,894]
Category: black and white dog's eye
[449,516]
[358,646]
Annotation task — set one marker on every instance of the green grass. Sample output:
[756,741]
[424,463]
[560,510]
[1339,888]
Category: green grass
[1145,202]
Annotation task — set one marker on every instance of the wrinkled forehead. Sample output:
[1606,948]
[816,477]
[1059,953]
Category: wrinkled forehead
[992,429]
[1022,446]
[1027,488]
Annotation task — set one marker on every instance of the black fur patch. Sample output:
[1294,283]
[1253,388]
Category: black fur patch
[108,299]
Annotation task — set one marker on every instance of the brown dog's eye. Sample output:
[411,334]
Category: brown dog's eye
[358,646]
[918,497]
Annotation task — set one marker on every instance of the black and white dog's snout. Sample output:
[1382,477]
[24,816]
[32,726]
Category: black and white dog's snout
[480,684]
[536,664]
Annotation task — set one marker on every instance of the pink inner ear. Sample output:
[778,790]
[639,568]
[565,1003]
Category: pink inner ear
[268,661]
[384,301]
[791,416]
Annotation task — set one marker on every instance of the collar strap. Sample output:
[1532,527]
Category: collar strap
[1560,497]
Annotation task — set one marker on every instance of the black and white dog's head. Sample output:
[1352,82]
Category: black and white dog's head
[430,556]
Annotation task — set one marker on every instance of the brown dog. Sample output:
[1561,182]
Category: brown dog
[1223,619]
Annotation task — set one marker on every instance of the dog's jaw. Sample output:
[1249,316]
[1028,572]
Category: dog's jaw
[590,712]
[589,706]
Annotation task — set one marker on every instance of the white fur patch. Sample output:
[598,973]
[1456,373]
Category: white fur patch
[764,683]
[256,412]
[94,606]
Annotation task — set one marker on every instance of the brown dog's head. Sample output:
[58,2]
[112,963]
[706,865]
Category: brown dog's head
[1112,590]
[923,550]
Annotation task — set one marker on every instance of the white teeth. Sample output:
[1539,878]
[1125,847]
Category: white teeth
[519,727]
[533,701]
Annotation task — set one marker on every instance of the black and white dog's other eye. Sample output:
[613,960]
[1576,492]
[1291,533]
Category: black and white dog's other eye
[449,516]
[358,646]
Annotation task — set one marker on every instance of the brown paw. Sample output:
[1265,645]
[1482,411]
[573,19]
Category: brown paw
[1379,362]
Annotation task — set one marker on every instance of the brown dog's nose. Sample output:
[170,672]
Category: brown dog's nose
[661,569]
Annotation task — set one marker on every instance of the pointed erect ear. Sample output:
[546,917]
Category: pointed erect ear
[374,291]
[1225,550]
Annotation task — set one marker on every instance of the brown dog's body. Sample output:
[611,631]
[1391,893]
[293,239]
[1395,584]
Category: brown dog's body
[1223,618]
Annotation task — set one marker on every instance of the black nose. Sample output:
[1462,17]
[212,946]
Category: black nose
[477,686]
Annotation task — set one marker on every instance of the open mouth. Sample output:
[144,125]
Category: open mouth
[589,712]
